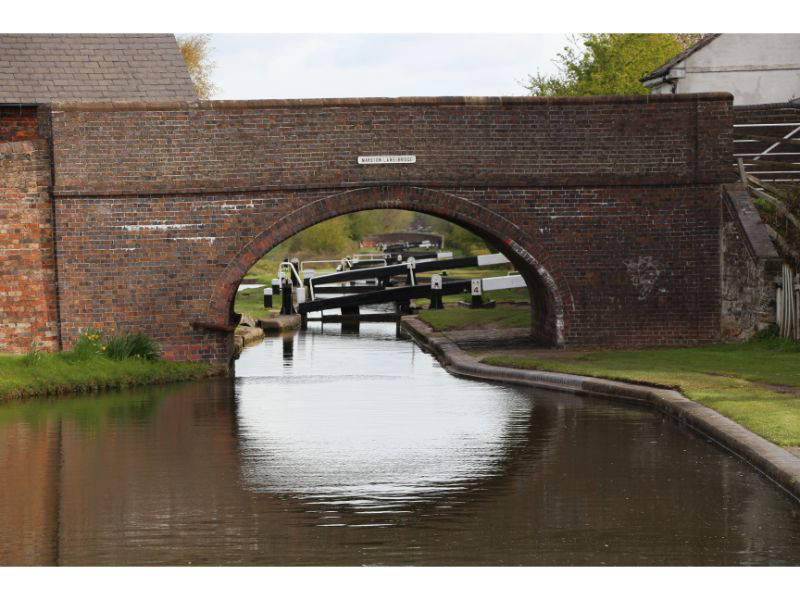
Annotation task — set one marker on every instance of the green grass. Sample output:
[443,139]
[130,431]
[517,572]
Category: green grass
[732,379]
[458,317]
[251,302]
[60,373]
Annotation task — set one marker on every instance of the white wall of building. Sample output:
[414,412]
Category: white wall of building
[755,68]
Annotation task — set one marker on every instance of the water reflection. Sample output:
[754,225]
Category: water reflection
[288,348]
[362,450]
[372,438]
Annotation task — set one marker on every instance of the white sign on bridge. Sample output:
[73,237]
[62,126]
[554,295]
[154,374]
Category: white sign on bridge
[387,159]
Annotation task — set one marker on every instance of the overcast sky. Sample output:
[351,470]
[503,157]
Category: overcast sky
[327,65]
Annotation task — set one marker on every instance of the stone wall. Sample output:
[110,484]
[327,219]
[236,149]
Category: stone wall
[749,266]
[28,304]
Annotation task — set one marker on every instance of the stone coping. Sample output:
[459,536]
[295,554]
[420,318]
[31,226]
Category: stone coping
[776,463]
[401,101]
[749,222]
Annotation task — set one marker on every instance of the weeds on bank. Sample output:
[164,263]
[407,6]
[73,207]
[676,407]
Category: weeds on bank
[97,361]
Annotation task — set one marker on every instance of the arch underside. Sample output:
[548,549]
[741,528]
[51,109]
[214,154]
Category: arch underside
[528,258]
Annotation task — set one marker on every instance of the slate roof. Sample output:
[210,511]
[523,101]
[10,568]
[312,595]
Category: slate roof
[36,68]
[664,69]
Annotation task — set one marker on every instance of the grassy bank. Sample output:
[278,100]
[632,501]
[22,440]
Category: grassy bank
[756,383]
[251,302]
[66,372]
[458,317]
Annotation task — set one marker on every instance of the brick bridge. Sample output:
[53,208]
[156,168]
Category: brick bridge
[609,207]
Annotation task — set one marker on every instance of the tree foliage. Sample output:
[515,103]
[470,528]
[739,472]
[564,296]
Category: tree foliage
[455,237]
[329,237]
[196,52]
[366,222]
[608,64]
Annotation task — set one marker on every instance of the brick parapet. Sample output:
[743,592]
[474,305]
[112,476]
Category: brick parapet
[178,148]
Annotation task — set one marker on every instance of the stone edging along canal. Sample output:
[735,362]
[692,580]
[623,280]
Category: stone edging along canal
[777,464]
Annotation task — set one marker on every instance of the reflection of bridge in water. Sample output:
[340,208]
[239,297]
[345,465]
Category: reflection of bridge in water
[364,433]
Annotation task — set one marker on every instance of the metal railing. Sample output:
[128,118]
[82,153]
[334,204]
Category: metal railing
[768,151]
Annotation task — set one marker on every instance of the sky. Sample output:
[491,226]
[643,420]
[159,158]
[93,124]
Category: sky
[360,65]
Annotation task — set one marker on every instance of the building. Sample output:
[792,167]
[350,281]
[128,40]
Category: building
[756,68]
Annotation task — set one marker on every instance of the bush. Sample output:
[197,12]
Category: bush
[89,344]
[94,342]
[770,339]
[133,345]
[33,356]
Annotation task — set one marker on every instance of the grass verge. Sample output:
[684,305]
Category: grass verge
[503,316]
[63,373]
[756,383]
[251,302]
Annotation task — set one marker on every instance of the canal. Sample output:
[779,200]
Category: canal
[356,448]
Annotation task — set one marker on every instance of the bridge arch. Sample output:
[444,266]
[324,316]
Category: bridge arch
[546,288]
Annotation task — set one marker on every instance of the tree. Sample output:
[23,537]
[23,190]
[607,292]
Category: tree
[455,237]
[329,237]
[366,222]
[195,51]
[608,64]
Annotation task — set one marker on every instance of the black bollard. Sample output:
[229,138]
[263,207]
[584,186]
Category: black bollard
[350,311]
[287,308]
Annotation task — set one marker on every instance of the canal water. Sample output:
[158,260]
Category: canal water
[356,448]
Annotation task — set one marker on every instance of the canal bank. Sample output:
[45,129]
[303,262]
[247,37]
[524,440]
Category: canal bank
[32,375]
[777,463]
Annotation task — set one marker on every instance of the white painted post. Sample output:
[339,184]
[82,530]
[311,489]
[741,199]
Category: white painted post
[267,297]
[412,264]
[436,292]
[476,288]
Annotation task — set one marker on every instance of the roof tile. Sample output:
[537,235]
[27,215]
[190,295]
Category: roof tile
[51,67]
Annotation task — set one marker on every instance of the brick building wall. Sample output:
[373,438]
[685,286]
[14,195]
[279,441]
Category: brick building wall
[609,207]
[18,123]
[28,304]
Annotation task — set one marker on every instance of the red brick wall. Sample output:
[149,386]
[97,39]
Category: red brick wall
[284,144]
[18,123]
[609,207]
[27,271]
